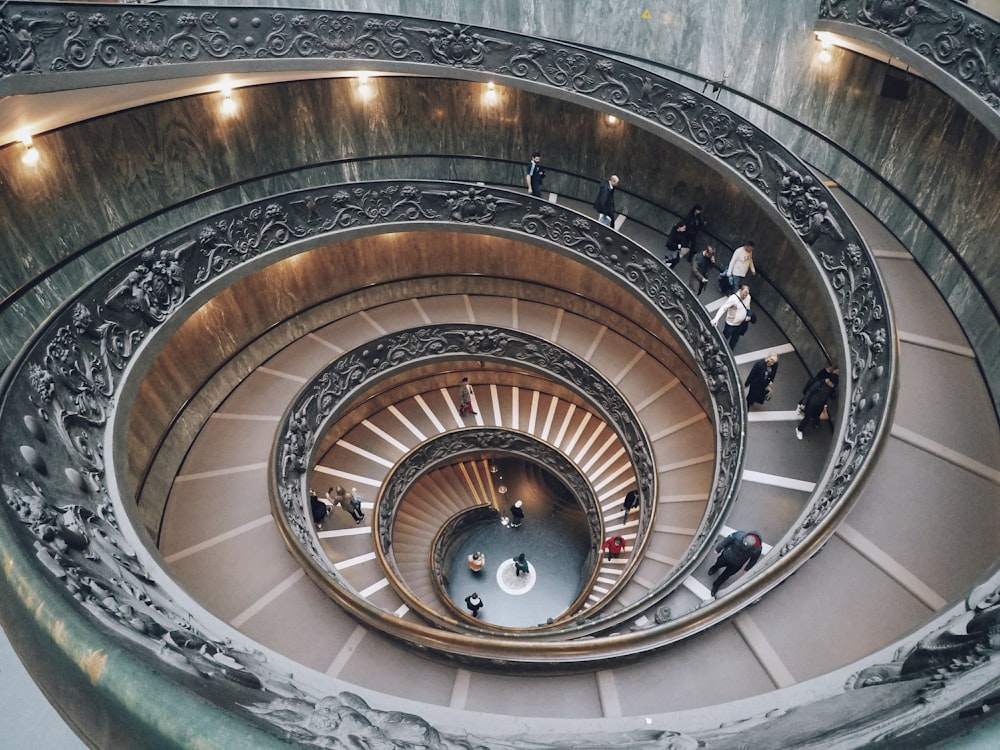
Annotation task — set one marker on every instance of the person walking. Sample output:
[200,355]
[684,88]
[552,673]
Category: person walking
[465,394]
[474,603]
[741,264]
[741,549]
[604,204]
[631,501]
[759,381]
[613,546]
[520,565]
[535,175]
[695,222]
[700,266]
[354,506]
[737,311]
[516,514]
[830,371]
[813,404]
[678,243]
[319,508]
[476,561]
[351,504]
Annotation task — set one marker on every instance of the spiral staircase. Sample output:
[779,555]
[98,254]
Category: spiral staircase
[201,387]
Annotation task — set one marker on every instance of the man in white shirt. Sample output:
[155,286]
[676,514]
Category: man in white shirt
[737,311]
[741,264]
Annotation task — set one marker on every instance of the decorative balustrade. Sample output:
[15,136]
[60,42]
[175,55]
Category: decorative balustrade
[82,39]
[946,41]
[333,391]
[66,527]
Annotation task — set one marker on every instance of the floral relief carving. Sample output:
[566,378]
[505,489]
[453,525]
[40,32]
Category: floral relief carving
[957,39]
[70,379]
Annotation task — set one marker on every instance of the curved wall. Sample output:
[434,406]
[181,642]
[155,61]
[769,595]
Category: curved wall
[937,155]
[89,185]
[182,136]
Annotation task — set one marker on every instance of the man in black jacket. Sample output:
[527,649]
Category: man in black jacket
[678,243]
[604,204]
[814,402]
[739,549]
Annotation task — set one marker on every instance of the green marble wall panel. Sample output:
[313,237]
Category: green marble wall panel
[931,150]
[165,165]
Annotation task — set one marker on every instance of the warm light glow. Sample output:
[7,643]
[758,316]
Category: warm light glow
[825,40]
[228,103]
[363,88]
[612,120]
[491,86]
[30,155]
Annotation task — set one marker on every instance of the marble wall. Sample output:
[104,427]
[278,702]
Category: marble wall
[933,152]
[160,165]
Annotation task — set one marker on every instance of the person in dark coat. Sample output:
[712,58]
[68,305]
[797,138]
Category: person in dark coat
[520,565]
[813,404]
[703,261]
[516,514]
[741,549]
[830,371]
[631,501]
[678,243]
[695,222]
[474,603]
[318,508]
[535,175]
[604,204]
[759,380]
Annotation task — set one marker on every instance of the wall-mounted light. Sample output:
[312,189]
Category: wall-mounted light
[824,48]
[363,88]
[30,155]
[228,104]
[490,95]
[612,120]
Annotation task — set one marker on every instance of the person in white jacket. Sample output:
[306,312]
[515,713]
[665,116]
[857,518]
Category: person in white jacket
[737,311]
[740,264]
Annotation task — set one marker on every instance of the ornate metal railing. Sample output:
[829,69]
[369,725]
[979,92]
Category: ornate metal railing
[82,39]
[66,510]
[947,41]
[333,391]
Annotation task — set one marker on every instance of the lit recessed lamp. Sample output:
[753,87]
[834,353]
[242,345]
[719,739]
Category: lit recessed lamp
[824,40]
[30,155]
[612,120]
[363,88]
[491,86]
[228,103]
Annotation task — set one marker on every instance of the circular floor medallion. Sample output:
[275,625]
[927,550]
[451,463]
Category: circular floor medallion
[511,583]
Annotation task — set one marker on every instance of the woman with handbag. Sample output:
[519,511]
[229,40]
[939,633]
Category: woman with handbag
[759,381]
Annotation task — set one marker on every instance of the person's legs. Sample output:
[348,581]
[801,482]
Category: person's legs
[723,577]
[732,334]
